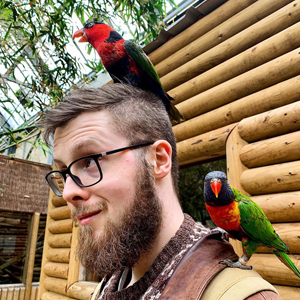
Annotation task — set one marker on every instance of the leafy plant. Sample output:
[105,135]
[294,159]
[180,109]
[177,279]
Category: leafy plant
[34,38]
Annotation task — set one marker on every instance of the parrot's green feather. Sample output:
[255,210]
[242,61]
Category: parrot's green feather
[283,257]
[141,59]
[261,230]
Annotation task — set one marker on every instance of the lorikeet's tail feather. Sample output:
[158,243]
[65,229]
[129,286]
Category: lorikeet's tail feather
[283,257]
[175,115]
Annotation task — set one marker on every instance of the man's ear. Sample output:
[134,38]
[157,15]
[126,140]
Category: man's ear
[162,156]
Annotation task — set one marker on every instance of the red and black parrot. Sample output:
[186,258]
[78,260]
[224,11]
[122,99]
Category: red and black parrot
[243,220]
[126,62]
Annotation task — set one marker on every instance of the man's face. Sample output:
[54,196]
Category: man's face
[92,133]
[120,217]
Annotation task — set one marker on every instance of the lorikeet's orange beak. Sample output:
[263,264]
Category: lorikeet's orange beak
[80,33]
[216,187]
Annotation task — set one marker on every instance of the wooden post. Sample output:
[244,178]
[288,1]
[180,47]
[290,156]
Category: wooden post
[33,240]
[235,168]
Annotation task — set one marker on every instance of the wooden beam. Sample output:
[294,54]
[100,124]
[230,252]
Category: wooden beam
[62,240]
[288,292]
[272,179]
[237,23]
[272,123]
[273,270]
[283,148]
[262,30]
[275,96]
[207,23]
[61,226]
[58,270]
[59,213]
[56,285]
[273,72]
[82,290]
[280,207]
[211,144]
[59,255]
[54,296]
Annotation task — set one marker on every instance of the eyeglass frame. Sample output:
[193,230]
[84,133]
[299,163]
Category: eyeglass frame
[95,157]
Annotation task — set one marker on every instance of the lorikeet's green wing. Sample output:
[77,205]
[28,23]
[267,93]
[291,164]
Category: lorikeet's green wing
[255,223]
[142,60]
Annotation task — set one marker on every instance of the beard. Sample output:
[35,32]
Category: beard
[123,242]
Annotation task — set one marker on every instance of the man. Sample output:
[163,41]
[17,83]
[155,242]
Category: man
[115,153]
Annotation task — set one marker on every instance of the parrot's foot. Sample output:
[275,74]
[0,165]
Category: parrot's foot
[224,234]
[236,264]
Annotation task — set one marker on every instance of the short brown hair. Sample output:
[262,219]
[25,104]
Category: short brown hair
[138,115]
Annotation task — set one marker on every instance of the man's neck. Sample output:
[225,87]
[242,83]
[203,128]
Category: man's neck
[172,221]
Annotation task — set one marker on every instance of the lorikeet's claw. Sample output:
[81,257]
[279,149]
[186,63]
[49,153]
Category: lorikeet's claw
[236,264]
[224,234]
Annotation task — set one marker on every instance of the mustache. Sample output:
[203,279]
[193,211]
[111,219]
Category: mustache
[84,209]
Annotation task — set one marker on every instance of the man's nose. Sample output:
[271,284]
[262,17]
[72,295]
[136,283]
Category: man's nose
[73,193]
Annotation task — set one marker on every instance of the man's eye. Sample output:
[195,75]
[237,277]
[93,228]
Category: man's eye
[90,163]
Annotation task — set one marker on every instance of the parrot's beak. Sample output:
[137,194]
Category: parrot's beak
[80,33]
[216,187]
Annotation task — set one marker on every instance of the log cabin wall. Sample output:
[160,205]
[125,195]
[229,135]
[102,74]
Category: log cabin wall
[241,60]
[61,276]
[234,75]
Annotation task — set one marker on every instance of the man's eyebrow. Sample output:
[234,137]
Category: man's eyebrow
[77,147]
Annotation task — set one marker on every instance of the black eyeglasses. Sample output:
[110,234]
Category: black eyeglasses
[84,171]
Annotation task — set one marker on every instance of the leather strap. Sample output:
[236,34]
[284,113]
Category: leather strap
[198,267]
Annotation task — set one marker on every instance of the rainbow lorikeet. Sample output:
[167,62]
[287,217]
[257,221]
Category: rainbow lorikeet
[243,220]
[126,62]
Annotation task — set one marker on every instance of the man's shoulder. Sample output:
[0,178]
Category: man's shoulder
[233,283]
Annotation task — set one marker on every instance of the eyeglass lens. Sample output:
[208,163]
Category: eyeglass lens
[85,172]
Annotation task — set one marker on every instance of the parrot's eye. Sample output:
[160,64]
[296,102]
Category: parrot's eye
[89,25]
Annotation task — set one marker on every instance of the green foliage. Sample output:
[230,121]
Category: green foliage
[191,184]
[38,32]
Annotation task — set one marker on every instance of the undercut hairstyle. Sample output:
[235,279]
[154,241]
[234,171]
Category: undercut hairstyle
[138,115]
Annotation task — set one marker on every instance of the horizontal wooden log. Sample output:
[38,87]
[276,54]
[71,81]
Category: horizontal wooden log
[82,290]
[61,226]
[276,150]
[58,270]
[274,271]
[260,31]
[219,34]
[288,292]
[272,123]
[62,240]
[54,296]
[58,201]
[203,147]
[271,73]
[56,285]
[290,234]
[216,17]
[267,50]
[59,255]
[280,207]
[59,213]
[272,179]
[275,96]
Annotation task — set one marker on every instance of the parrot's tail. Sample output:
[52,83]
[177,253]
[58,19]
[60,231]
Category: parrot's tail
[283,257]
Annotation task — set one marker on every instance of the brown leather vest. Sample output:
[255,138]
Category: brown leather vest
[198,267]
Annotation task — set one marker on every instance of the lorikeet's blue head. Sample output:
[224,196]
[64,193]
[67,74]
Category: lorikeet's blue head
[217,190]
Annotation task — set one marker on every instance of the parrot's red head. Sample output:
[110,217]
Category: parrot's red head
[216,186]
[94,32]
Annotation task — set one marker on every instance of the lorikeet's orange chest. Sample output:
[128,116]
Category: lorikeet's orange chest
[226,217]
